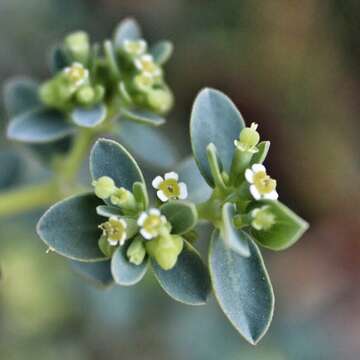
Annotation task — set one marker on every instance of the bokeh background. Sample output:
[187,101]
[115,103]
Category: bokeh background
[291,66]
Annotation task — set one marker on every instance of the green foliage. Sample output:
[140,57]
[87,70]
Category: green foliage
[112,235]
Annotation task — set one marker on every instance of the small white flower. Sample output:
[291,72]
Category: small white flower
[77,73]
[151,223]
[114,230]
[135,47]
[169,187]
[262,186]
[147,66]
[262,218]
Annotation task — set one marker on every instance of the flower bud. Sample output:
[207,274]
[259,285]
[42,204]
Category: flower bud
[77,45]
[248,139]
[160,100]
[85,95]
[106,248]
[262,218]
[136,252]
[124,199]
[104,187]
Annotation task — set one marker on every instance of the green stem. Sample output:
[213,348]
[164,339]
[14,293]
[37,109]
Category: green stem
[27,198]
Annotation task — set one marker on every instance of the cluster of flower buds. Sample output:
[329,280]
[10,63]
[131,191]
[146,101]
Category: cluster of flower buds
[144,232]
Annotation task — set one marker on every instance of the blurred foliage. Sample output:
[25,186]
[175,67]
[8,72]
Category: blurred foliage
[292,67]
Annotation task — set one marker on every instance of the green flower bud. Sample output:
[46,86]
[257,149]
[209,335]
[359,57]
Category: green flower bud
[48,93]
[165,250]
[104,187]
[85,95]
[106,248]
[135,47]
[99,93]
[160,100]
[248,139]
[136,252]
[262,218]
[77,45]
[143,82]
[124,199]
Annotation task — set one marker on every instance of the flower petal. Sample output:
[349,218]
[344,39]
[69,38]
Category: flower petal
[172,175]
[161,195]
[249,176]
[123,239]
[183,191]
[142,218]
[255,192]
[146,235]
[112,242]
[154,212]
[156,182]
[272,195]
[258,167]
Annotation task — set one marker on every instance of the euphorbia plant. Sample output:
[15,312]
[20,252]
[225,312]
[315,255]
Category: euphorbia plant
[122,226]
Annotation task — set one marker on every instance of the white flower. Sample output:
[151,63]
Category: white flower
[169,187]
[77,74]
[262,218]
[135,47]
[114,230]
[262,186]
[151,223]
[146,65]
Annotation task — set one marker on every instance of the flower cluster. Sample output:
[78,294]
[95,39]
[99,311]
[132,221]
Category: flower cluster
[143,231]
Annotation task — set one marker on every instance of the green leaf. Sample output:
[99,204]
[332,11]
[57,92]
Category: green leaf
[39,126]
[98,273]
[89,117]
[108,211]
[242,288]
[140,140]
[128,29]
[162,51]
[260,156]
[198,189]
[20,95]
[70,228]
[188,281]
[236,240]
[143,117]
[58,60]
[108,158]
[124,272]
[216,120]
[182,215]
[12,166]
[288,227]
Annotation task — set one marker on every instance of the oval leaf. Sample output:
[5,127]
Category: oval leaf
[242,288]
[39,126]
[108,158]
[143,117]
[12,168]
[214,119]
[235,239]
[182,215]
[198,189]
[124,272]
[128,29]
[89,117]
[98,273]
[162,51]
[20,95]
[108,211]
[141,139]
[58,60]
[70,228]
[288,227]
[187,282]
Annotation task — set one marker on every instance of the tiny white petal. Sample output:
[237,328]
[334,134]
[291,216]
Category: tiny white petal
[161,195]
[256,226]
[142,218]
[138,64]
[112,242]
[258,167]
[67,69]
[154,212]
[272,195]
[156,182]
[254,192]
[146,235]
[163,219]
[123,223]
[172,175]
[183,191]
[254,212]
[147,57]
[122,240]
[249,176]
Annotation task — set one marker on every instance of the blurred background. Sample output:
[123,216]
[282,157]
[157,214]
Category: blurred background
[294,68]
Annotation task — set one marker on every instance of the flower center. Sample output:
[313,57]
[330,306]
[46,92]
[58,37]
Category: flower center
[76,73]
[135,47]
[264,183]
[170,187]
[152,224]
[113,229]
